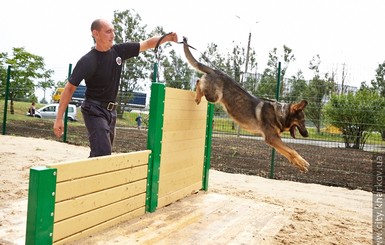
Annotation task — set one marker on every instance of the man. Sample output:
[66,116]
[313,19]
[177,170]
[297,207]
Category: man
[101,69]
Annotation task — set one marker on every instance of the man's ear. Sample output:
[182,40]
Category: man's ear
[95,34]
[298,106]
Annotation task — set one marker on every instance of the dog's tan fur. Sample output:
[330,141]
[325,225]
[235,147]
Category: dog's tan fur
[260,116]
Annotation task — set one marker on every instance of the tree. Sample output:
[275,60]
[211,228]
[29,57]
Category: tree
[298,87]
[356,115]
[128,27]
[47,82]
[26,67]
[379,82]
[268,84]
[215,59]
[316,93]
[3,72]
[177,74]
[378,86]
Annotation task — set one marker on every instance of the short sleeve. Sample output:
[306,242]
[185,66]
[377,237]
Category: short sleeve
[127,50]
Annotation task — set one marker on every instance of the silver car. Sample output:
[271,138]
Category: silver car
[50,111]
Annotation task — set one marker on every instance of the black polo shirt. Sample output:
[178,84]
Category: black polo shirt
[101,70]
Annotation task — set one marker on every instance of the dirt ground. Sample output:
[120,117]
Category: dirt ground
[237,209]
[328,166]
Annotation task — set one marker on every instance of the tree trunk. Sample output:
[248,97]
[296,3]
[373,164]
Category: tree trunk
[12,108]
[383,135]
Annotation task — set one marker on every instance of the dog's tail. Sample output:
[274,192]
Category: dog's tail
[197,65]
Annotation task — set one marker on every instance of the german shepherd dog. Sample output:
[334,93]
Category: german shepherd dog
[256,115]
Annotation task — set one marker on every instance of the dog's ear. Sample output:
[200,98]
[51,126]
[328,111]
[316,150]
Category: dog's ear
[298,106]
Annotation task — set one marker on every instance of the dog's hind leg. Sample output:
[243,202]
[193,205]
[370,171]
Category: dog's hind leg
[198,92]
[289,153]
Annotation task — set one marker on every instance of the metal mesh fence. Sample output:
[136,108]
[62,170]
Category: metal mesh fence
[237,151]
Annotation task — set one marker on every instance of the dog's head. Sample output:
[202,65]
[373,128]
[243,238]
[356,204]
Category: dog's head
[296,119]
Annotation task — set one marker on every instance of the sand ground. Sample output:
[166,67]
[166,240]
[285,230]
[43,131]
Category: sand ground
[237,209]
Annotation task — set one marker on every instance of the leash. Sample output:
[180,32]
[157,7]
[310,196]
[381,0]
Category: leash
[183,42]
[158,43]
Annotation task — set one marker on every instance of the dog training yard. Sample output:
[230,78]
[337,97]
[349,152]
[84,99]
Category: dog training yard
[237,209]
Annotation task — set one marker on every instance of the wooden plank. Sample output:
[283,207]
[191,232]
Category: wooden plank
[96,217]
[184,115]
[183,105]
[131,215]
[185,158]
[180,94]
[178,125]
[76,206]
[176,146]
[79,187]
[92,166]
[170,182]
[171,163]
[183,135]
[179,194]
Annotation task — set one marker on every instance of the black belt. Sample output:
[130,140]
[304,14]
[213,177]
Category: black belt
[109,106]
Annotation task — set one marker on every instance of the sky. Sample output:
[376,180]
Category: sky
[349,32]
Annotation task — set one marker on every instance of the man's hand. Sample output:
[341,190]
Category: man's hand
[58,127]
[172,37]
[151,42]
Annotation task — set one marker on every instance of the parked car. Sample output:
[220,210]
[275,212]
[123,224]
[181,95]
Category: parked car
[50,111]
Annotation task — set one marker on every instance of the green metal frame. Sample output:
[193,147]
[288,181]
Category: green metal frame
[154,143]
[6,99]
[41,206]
[208,140]
[66,112]
[271,174]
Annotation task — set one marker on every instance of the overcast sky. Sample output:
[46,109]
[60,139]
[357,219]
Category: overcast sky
[340,31]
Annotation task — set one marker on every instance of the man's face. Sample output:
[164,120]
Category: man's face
[105,36]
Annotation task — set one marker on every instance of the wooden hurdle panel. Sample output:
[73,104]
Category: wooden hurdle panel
[183,146]
[88,196]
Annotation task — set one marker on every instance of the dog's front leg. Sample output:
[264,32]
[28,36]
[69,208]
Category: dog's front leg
[289,153]
[198,92]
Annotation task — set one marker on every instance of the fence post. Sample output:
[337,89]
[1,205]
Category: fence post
[271,175]
[41,206]
[154,143]
[6,99]
[66,113]
[207,155]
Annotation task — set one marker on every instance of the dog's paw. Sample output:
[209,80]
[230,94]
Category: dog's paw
[197,101]
[301,164]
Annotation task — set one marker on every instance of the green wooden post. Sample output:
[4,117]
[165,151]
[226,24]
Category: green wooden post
[41,206]
[154,143]
[6,99]
[209,134]
[66,113]
[271,175]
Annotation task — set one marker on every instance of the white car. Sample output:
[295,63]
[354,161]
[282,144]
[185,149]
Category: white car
[50,111]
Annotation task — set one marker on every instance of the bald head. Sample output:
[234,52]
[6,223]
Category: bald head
[98,23]
[103,34]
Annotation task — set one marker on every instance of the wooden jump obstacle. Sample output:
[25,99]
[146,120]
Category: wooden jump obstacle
[70,200]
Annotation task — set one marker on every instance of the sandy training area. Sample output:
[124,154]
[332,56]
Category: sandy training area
[237,209]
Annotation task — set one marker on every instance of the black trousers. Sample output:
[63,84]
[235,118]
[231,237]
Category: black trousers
[100,124]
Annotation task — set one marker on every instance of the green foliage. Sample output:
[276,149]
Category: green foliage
[128,27]
[176,72]
[46,83]
[356,115]
[379,82]
[316,93]
[26,69]
[298,88]
[268,85]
